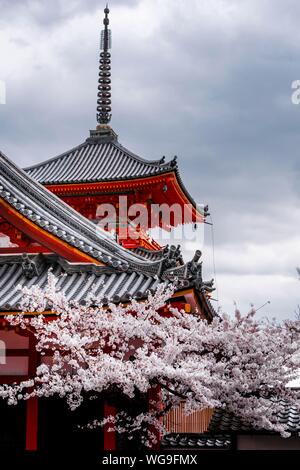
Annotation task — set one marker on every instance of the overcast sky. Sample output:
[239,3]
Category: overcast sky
[207,80]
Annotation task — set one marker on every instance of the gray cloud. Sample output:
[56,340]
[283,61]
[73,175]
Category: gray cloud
[210,83]
[50,14]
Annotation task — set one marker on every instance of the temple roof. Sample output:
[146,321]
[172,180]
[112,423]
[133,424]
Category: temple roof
[95,160]
[57,218]
[50,214]
[28,202]
[76,280]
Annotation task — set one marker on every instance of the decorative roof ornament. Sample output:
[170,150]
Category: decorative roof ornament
[104,80]
[32,267]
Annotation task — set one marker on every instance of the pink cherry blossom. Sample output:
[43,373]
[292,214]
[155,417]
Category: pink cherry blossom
[238,363]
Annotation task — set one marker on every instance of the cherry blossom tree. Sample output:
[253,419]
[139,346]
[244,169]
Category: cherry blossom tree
[124,351]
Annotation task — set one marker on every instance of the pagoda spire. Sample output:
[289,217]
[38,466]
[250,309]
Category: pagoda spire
[104,81]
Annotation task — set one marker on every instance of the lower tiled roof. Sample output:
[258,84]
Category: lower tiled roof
[223,421]
[75,279]
[193,441]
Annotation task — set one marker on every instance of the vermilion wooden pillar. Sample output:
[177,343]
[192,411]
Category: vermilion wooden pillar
[110,440]
[154,403]
[32,424]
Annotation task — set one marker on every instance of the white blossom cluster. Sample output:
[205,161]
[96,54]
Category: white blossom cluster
[239,363]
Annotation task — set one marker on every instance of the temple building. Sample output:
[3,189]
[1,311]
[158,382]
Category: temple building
[49,217]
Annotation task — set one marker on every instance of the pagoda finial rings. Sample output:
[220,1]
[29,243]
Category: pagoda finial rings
[105,67]
[105,61]
[104,87]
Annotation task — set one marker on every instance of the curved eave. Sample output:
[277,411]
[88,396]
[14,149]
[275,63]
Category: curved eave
[48,240]
[95,160]
[198,214]
[111,165]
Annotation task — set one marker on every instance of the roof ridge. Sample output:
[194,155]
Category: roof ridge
[159,162]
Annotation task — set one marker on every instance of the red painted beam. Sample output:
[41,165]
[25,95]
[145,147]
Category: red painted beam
[24,249]
[141,187]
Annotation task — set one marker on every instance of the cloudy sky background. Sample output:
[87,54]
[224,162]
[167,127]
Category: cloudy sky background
[207,80]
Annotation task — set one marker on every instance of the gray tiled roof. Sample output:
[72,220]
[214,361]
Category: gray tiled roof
[290,416]
[194,441]
[223,421]
[76,280]
[96,160]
